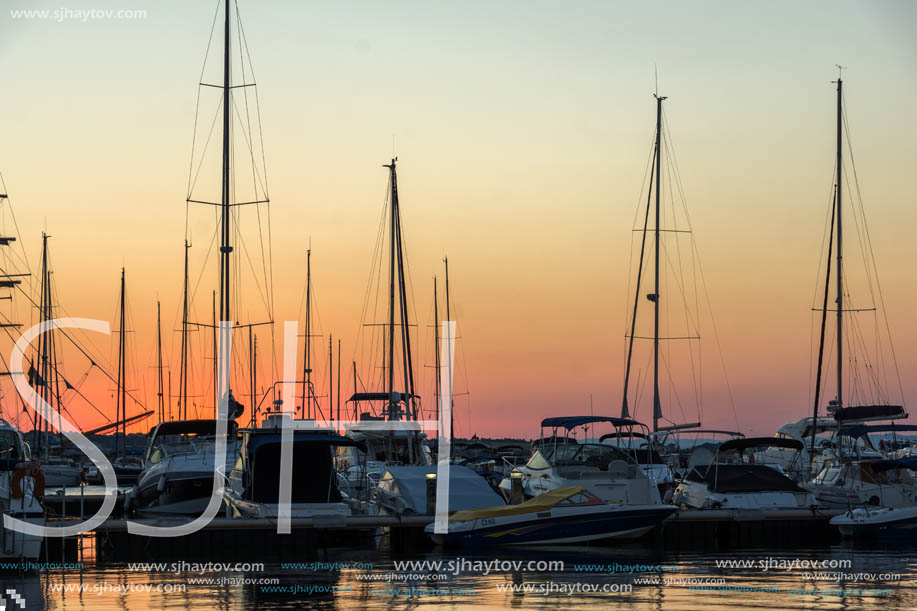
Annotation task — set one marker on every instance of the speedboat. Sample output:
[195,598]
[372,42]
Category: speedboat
[178,473]
[733,480]
[881,523]
[21,484]
[610,472]
[565,515]
[848,479]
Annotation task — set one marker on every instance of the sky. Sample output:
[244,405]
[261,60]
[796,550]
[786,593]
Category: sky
[522,131]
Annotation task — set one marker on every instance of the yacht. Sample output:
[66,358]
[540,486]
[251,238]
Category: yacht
[611,473]
[253,490]
[733,480]
[178,468]
[848,479]
[21,485]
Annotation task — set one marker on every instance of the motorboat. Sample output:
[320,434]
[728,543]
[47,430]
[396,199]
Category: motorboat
[403,490]
[610,472]
[800,467]
[733,480]
[362,464]
[848,479]
[254,482]
[565,515]
[177,478]
[891,524]
[21,485]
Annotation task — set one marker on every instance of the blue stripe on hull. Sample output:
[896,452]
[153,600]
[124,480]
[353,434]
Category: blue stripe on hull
[596,527]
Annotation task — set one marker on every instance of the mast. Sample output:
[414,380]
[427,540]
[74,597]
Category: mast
[396,275]
[451,403]
[657,407]
[225,247]
[216,356]
[307,348]
[339,383]
[436,359]
[122,374]
[391,296]
[162,407]
[330,378]
[43,347]
[840,249]
[183,370]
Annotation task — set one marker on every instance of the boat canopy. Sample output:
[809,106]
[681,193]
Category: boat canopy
[862,429]
[908,462]
[542,502]
[190,427]
[870,412]
[760,442]
[724,478]
[257,440]
[571,422]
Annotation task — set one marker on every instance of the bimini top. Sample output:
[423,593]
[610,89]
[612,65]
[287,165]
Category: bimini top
[571,422]
[259,439]
[862,429]
[542,502]
[870,412]
[760,442]
[909,462]
[191,427]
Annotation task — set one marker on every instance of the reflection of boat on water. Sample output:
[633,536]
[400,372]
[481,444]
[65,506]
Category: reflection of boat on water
[564,515]
[21,482]
[179,468]
[610,472]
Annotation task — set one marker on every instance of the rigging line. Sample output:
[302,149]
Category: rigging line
[673,390]
[198,101]
[251,67]
[25,256]
[207,142]
[256,174]
[856,181]
[630,266]
[262,293]
[694,372]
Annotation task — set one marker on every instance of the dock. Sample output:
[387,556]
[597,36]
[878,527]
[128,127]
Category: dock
[245,538]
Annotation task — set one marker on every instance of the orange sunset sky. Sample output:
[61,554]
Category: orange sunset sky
[522,131]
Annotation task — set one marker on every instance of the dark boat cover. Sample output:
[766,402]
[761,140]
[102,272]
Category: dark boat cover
[742,478]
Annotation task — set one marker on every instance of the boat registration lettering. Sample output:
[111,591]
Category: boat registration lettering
[488,522]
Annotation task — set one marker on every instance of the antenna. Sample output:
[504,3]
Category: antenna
[840,72]
[656,77]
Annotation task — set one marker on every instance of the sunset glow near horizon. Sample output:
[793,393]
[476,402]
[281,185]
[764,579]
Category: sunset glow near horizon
[522,132]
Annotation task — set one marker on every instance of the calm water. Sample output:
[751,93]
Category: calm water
[100,584]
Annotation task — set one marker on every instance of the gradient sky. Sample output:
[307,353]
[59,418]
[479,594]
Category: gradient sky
[522,130]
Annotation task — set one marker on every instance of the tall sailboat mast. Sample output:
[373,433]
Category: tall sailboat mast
[307,347]
[436,358]
[451,403]
[183,370]
[840,247]
[657,407]
[396,276]
[225,207]
[162,407]
[121,405]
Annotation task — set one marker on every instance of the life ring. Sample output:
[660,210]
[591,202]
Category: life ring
[32,470]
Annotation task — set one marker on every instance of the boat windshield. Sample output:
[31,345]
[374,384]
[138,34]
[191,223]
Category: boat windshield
[585,454]
[9,445]
[173,445]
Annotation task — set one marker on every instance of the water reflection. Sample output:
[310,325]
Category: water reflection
[117,587]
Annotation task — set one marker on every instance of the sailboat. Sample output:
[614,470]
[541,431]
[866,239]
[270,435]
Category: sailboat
[845,478]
